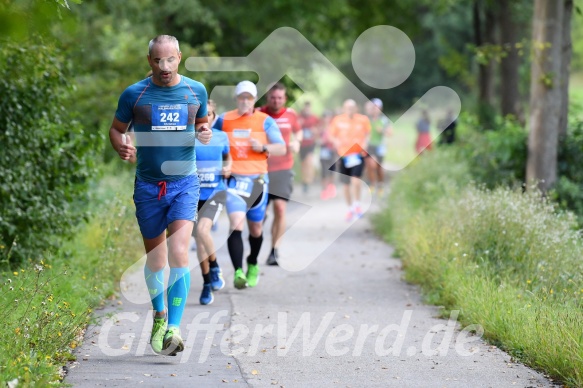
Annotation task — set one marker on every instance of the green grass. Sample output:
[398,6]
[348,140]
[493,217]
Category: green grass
[47,305]
[508,261]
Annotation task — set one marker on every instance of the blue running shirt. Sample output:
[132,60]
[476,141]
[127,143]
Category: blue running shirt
[209,163]
[163,120]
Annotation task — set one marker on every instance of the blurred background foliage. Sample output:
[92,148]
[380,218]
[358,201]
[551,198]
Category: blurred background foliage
[65,63]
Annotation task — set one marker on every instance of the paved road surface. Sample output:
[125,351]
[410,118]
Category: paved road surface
[346,320]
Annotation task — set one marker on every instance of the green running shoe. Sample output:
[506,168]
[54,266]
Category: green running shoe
[172,342]
[240,279]
[157,337]
[252,275]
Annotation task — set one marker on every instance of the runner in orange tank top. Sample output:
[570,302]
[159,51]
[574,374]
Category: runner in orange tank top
[349,133]
[253,137]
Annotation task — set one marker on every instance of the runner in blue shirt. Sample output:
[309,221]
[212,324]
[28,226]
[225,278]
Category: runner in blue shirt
[168,111]
[213,162]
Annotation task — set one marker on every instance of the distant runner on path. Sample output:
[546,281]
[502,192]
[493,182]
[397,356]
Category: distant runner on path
[349,133]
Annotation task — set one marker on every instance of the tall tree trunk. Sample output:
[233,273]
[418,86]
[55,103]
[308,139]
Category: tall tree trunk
[566,67]
[490,38]
[546,92]
[484,33]
[509,66]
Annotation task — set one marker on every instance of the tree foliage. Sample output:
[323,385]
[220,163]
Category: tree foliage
[92,50]
[47,157]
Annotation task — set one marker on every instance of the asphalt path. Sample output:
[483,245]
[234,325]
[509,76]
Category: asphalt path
[335,313]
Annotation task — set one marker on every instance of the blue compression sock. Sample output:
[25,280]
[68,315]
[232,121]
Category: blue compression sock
[155,283]
[178,287]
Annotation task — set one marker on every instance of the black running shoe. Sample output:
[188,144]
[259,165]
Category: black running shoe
[272,259]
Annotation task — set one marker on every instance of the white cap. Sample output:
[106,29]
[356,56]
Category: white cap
[246,87]
[377,102]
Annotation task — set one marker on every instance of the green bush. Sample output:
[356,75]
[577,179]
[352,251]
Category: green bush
[47,305]
[436,175]
[46,159]
[496,157]
[568,190]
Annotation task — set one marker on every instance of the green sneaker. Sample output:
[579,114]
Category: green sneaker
[240,279]
[157,337]
[252,275]
[172,342]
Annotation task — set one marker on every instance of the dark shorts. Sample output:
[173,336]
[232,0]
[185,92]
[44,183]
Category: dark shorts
[213,206]
[155,210]
[347,167]
[377,152]
[328,159]
[327,167]
[306,150]
[281,184]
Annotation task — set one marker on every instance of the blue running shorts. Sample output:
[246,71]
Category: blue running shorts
[158,205]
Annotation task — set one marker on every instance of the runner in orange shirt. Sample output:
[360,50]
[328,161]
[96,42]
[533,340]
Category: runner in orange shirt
[253,137]
[349,133]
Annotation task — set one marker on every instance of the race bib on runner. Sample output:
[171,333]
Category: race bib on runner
[352,160]
[208,178]
[169,117]
[307,132]
[325,153]
[381,150]
[243,186]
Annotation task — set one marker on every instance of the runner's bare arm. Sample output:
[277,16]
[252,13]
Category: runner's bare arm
[203,131]
[275,149]
[365,143]
[117,134]
[296,141]
[227,163]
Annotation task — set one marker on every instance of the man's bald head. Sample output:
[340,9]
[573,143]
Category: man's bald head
[163,39]
[349,107]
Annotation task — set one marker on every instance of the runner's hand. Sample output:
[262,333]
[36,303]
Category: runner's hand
[204,134]
[127,151]
[226,171]
[294,146]
[256,146]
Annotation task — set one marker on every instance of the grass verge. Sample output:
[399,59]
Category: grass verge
[507,260]
[47,305]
